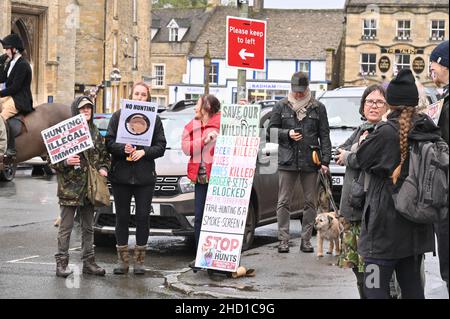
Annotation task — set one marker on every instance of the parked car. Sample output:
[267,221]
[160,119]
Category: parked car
[172,210]
[101,120]
[342,106]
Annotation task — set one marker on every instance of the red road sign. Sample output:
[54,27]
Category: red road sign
[246,43]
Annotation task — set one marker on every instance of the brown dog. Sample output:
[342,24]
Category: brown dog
[328,227]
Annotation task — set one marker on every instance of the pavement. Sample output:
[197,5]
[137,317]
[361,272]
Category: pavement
[294,275]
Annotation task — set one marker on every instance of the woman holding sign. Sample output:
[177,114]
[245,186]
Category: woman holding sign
[198,142]
[72,193]
[133,175]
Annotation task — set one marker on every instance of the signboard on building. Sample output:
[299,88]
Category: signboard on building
[246,43]
[229,188]
[418,65]
[137,122]
[384,64]
[67,138]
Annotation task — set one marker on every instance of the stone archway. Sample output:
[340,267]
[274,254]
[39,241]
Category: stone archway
[27,27]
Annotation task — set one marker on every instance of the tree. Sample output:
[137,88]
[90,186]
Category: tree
[157,4]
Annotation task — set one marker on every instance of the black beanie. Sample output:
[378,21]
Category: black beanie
[402,91]
[440,54]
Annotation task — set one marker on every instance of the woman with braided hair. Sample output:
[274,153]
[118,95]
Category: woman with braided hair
[389,242]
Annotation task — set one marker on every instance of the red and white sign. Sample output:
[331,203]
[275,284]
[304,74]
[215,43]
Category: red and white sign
[246,43]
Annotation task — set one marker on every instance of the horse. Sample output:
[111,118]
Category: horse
[30,144]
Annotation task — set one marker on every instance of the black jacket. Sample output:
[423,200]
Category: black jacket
[385,234]
[294,156]
[141,172]
[443,119]
[18,85]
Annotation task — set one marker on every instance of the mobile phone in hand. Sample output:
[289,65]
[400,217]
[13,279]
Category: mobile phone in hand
[298,130]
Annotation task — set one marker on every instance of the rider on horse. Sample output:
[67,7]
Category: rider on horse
[15,88]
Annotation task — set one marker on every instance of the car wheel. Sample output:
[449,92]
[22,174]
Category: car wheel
[104,240]
[8,173]
[250,224]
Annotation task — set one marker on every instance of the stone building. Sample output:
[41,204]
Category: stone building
[384,36]
[74,45]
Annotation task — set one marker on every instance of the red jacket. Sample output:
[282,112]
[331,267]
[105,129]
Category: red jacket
[193,145]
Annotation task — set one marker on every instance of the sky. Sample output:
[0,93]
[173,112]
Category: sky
[304,4]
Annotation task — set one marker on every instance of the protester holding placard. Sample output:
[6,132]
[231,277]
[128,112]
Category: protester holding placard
[198,142]
[304,148]
[133,175]
[72,193]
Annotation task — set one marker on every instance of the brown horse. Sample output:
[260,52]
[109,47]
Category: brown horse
[30,144]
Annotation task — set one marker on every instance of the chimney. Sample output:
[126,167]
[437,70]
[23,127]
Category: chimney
[258,5]
[213,3]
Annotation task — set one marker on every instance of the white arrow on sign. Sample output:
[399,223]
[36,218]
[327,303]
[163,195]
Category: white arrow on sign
[243,54]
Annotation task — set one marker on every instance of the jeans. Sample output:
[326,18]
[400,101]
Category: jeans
[200,198]
[143,196]
[378,274]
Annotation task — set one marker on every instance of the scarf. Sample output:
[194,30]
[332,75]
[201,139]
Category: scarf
[300,106]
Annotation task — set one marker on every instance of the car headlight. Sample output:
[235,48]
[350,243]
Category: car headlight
[186,185]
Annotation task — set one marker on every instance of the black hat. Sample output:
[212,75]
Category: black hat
[402,91]
[440,54]
[299,82]
[12,41]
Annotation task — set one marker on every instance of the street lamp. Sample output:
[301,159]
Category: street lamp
[207,66]
[115,78]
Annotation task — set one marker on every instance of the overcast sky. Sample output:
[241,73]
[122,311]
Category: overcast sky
[304,4]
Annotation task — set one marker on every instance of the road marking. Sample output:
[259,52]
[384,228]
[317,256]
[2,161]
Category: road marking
[17,260]
[76,248]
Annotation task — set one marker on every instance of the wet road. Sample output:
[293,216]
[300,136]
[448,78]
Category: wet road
[28,207]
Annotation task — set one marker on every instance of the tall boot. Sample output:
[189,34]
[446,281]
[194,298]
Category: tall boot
[10,154]
[123,260]
[62,269]
[139,258]
[91,268]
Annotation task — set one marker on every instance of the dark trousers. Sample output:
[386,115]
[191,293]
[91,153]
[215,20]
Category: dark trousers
[143,200]
[200,198]
[442,240]
[378,274]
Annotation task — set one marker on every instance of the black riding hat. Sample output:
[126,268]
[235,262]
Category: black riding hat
[12,41]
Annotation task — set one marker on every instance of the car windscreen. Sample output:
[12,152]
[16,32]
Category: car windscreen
[101,123]
[342,111]
[173,128]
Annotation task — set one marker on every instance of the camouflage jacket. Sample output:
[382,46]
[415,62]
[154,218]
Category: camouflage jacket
[72,182]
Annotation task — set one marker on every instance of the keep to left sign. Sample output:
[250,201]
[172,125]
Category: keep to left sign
[246,43]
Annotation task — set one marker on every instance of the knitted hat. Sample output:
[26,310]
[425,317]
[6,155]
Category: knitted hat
[440,54]
[402,91]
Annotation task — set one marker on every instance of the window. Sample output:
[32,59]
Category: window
[115,49]
[260,75]
[135,11]
[214,73]
[403,29]
[173,34]
[437,29]
[188,96]
[368,63]
[369,29]
[160,100]
[303,66]
[159,74]
[402,61]
[135,54]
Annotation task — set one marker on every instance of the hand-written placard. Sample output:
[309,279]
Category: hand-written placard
[434,110]
[137,122]
[67,138]
[229,189]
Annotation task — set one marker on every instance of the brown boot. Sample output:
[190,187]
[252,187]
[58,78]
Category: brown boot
[91,268]
[139,257]
[122,255]
[62,269]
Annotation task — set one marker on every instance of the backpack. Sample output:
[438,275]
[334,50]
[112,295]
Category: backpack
[423,196]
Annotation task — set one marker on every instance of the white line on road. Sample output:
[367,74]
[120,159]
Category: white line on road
[17,260]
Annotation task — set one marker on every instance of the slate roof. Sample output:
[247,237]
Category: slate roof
[194,19]
[397,2]
[291,34]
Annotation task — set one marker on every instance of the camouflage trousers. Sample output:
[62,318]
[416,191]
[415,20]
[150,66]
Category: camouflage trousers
[349,257]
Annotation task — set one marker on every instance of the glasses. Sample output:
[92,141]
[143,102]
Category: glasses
[375,103]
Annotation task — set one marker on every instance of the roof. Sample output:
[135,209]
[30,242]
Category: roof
[291,34]
[397,2]
[194,19]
